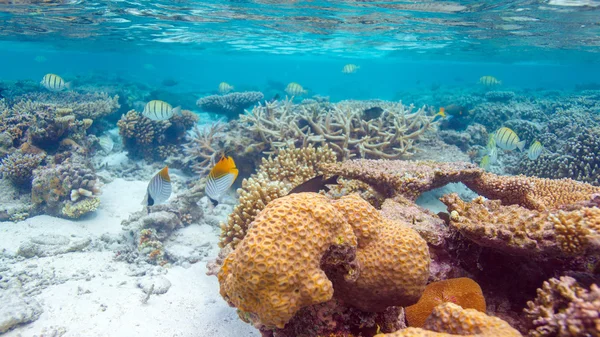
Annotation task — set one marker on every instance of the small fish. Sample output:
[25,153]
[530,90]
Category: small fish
[220,178]
[454,110]
[275,98]
[159,111]
[489,81]
[159,188]
[372,113]
[350,68]
[224,87]
[535,150]
[491,148]
[169,82]
[106,143]
[507,139]
[441,113]
[485,163]
[54,82]
[40,59]
[295,89]
[315,185]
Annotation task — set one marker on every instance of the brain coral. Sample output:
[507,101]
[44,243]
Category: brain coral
[449,320]
[462,291]
[302,246]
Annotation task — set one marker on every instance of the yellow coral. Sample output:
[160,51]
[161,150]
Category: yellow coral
[278,267]
[449,319]
[77,209]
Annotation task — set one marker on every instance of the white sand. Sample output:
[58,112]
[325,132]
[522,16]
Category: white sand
[90,294]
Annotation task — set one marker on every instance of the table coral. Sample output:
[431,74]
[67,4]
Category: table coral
[231,105]
[88,105]
[462,291]
[391,135]
[563,308]
[301,247]
[517,230]
[449,320]
[275,177]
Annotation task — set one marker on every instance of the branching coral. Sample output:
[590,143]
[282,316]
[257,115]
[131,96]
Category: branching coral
[230,105]
[303,246]
[19,166]
[276,176]
[202,147]
[390,135]
[154,140]
[565,309]
[449,320]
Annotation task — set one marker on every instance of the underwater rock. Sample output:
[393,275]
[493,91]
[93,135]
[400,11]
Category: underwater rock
[157,284]
[52,244]
[17,309]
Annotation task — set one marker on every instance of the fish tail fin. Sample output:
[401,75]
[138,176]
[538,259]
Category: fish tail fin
[213,202]
[521,145]
[69,85]
[177,111]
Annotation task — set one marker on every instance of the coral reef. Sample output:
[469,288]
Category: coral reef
[462,291]
[449,320]
[275,177]
[391,135]
[499,96]
[231,105]
[563,308]
[89,105]
[154,140]
[19,166]
[303,246]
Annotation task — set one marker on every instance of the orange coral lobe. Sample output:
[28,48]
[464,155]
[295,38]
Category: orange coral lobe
[461,291]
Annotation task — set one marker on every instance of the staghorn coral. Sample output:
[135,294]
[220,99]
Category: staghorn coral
[520,231]
[391,135]
[230,105]
[154,140]
[275,177]
[563,308]
[449,320]
[202,147]
[19,166]
[303,246]
[462,291]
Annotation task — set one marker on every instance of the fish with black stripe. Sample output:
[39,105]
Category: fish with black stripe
[507,139]
[159,188]
[220,178]
[535,150]
[54,82]
[158,110]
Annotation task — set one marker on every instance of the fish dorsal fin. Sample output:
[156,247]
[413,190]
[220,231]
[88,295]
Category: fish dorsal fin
[224,166]
[164,174]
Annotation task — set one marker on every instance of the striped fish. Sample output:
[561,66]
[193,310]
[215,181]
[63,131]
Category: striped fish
[54,82]
[224,87]
[159,188]
[507,139]
[535,150]
[489,81]
[159,110]
[106,143]
[350,68]
[220,178]
[492,150]
[295,89]
[485,163]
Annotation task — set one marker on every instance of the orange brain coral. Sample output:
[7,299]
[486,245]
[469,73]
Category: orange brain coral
[462,291]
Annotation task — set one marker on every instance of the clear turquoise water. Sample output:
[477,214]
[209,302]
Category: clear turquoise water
[400,45]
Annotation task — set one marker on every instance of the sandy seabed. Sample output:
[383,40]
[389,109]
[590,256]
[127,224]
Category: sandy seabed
[87,293]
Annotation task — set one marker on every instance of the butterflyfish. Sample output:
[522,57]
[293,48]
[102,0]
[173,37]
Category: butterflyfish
[54,82]
[507,139]
[159,188]
[225,87]
[315,185]
[159,110]
[535,150]
[489,81]
[295,89]
[220,178]
[350,68]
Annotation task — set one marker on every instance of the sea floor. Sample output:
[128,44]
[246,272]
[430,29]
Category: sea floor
[80,289]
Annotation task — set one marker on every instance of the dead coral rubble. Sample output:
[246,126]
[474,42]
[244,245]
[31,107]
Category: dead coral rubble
[303,246]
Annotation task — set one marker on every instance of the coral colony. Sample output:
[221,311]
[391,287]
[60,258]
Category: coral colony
[364,257]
